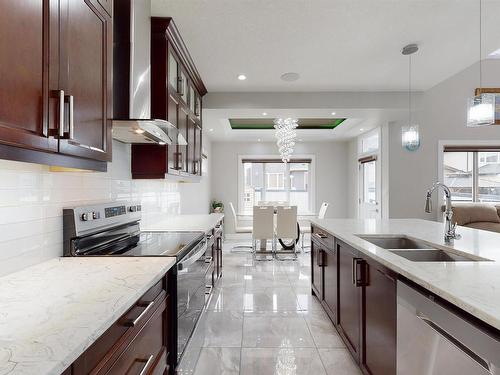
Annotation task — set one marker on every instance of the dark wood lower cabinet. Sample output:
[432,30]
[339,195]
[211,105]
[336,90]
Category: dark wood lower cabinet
[359,296]
[330,295]
[350,303]
[317,269]
[137,343]
[379,341]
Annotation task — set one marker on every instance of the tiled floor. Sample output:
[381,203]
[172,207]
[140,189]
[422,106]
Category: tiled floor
[263,320]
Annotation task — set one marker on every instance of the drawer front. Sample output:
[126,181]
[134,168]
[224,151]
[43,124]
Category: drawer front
[321,236]
[96,357]
[141,356]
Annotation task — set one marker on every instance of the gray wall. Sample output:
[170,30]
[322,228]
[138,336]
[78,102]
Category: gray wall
[331,171]
[442,116]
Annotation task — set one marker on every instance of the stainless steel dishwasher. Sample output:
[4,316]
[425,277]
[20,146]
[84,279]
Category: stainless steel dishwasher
[433,340]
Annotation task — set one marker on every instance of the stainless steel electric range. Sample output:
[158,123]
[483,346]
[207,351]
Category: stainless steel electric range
[113,229]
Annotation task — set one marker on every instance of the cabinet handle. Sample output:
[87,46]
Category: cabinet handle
[208,259]
[319,260]
[180,86]
[71,117]
[146,365]
[134,322]
[358,279]
[61,113]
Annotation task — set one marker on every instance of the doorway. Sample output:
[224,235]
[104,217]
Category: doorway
[369,177]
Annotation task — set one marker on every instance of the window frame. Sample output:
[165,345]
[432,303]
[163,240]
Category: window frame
[465,146]
[298,158]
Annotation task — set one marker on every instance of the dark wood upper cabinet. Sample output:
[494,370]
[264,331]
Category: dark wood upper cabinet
[55,82]
[176,92]
[379,343]
[24,57]
[85,77]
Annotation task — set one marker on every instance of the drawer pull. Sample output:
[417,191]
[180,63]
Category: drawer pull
[134,322]
[321,236]
[146,365]
[208,259]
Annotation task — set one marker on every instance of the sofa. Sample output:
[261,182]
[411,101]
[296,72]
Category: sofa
[477,215]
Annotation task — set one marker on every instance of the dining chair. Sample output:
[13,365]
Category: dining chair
[239,229]
[286,228]
[307,228]
[263,229]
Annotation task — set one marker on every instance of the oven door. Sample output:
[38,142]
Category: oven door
[191,273]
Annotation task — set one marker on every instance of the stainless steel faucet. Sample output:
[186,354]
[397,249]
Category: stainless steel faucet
[450,227]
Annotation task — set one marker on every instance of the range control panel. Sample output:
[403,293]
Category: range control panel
[110,212]
[83,219]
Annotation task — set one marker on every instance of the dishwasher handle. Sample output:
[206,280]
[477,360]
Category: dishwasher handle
[459,345]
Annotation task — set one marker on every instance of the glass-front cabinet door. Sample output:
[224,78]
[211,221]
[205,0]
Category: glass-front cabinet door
[197,107]
[191,98]
[173,67]
[183,82]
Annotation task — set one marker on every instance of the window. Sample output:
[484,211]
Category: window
[272,180]
[473,176]
[369,143]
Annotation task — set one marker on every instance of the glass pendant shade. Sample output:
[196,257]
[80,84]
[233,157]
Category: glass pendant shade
[410,137]
[481,110]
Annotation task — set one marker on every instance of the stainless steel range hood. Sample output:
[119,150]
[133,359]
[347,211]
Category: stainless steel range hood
[157,131]
[132,121]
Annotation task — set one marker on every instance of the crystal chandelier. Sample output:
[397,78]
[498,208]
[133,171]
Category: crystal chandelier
[285,134]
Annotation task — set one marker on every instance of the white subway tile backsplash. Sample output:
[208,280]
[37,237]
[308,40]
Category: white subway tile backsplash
[32,199]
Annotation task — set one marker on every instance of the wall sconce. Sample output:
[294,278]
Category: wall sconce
[410,137]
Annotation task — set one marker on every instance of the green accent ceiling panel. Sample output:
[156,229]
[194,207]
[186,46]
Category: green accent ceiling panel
[266,123]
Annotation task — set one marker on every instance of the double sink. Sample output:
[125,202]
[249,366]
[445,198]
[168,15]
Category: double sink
[416,250]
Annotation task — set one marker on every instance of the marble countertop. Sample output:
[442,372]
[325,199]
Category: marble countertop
[181,223]
[472,286]
[52,312]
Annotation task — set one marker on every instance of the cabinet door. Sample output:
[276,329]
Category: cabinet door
[24,57]
[172,156]
[182,125]
[379,354]
[349,309]
[85,77]
[191,148]
[317,270]
[198,157]
[173,71]
[330,284]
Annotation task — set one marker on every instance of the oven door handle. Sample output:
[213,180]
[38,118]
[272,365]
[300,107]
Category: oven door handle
[196,256]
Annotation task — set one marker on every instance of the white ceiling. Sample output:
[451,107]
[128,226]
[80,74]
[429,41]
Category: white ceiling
[333,44]
[216,124]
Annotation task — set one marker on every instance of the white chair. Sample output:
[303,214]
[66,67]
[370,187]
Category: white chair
[286,228]
[263,229]
[307,228]
[239,229]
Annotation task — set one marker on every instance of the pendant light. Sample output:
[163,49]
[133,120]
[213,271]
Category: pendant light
[481,108]
[410,137]
[285,134]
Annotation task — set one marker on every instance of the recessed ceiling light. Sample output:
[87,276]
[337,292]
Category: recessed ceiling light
[264,113]
[242,77]
[258,140]
[211,129]
[290,76]
[300,139]
[361,129]
[333,113]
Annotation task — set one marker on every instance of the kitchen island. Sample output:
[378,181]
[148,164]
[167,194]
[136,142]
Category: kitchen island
[358,267]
